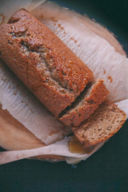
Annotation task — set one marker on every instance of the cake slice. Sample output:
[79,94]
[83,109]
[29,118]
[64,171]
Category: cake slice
[90,99]
[102,125]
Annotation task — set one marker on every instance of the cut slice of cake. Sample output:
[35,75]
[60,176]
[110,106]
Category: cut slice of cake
[85,106]
[102,125]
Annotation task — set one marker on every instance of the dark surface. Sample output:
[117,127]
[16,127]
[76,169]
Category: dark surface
[106,170]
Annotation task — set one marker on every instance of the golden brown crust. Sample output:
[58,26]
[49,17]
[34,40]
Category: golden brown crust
[87,106]
[42,61]
[84,139]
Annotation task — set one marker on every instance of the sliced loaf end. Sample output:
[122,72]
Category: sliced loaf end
[85,106]
[102,125]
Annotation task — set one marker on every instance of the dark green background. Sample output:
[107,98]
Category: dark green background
[106,170]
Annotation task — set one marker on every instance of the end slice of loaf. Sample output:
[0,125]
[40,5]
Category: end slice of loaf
[84,108]
[102,125]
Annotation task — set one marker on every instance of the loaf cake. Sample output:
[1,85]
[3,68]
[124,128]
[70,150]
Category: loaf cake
[42,61]
[84,107]
[102,125]
[50,70]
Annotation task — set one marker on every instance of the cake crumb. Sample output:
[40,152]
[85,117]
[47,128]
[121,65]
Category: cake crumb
[110,79]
